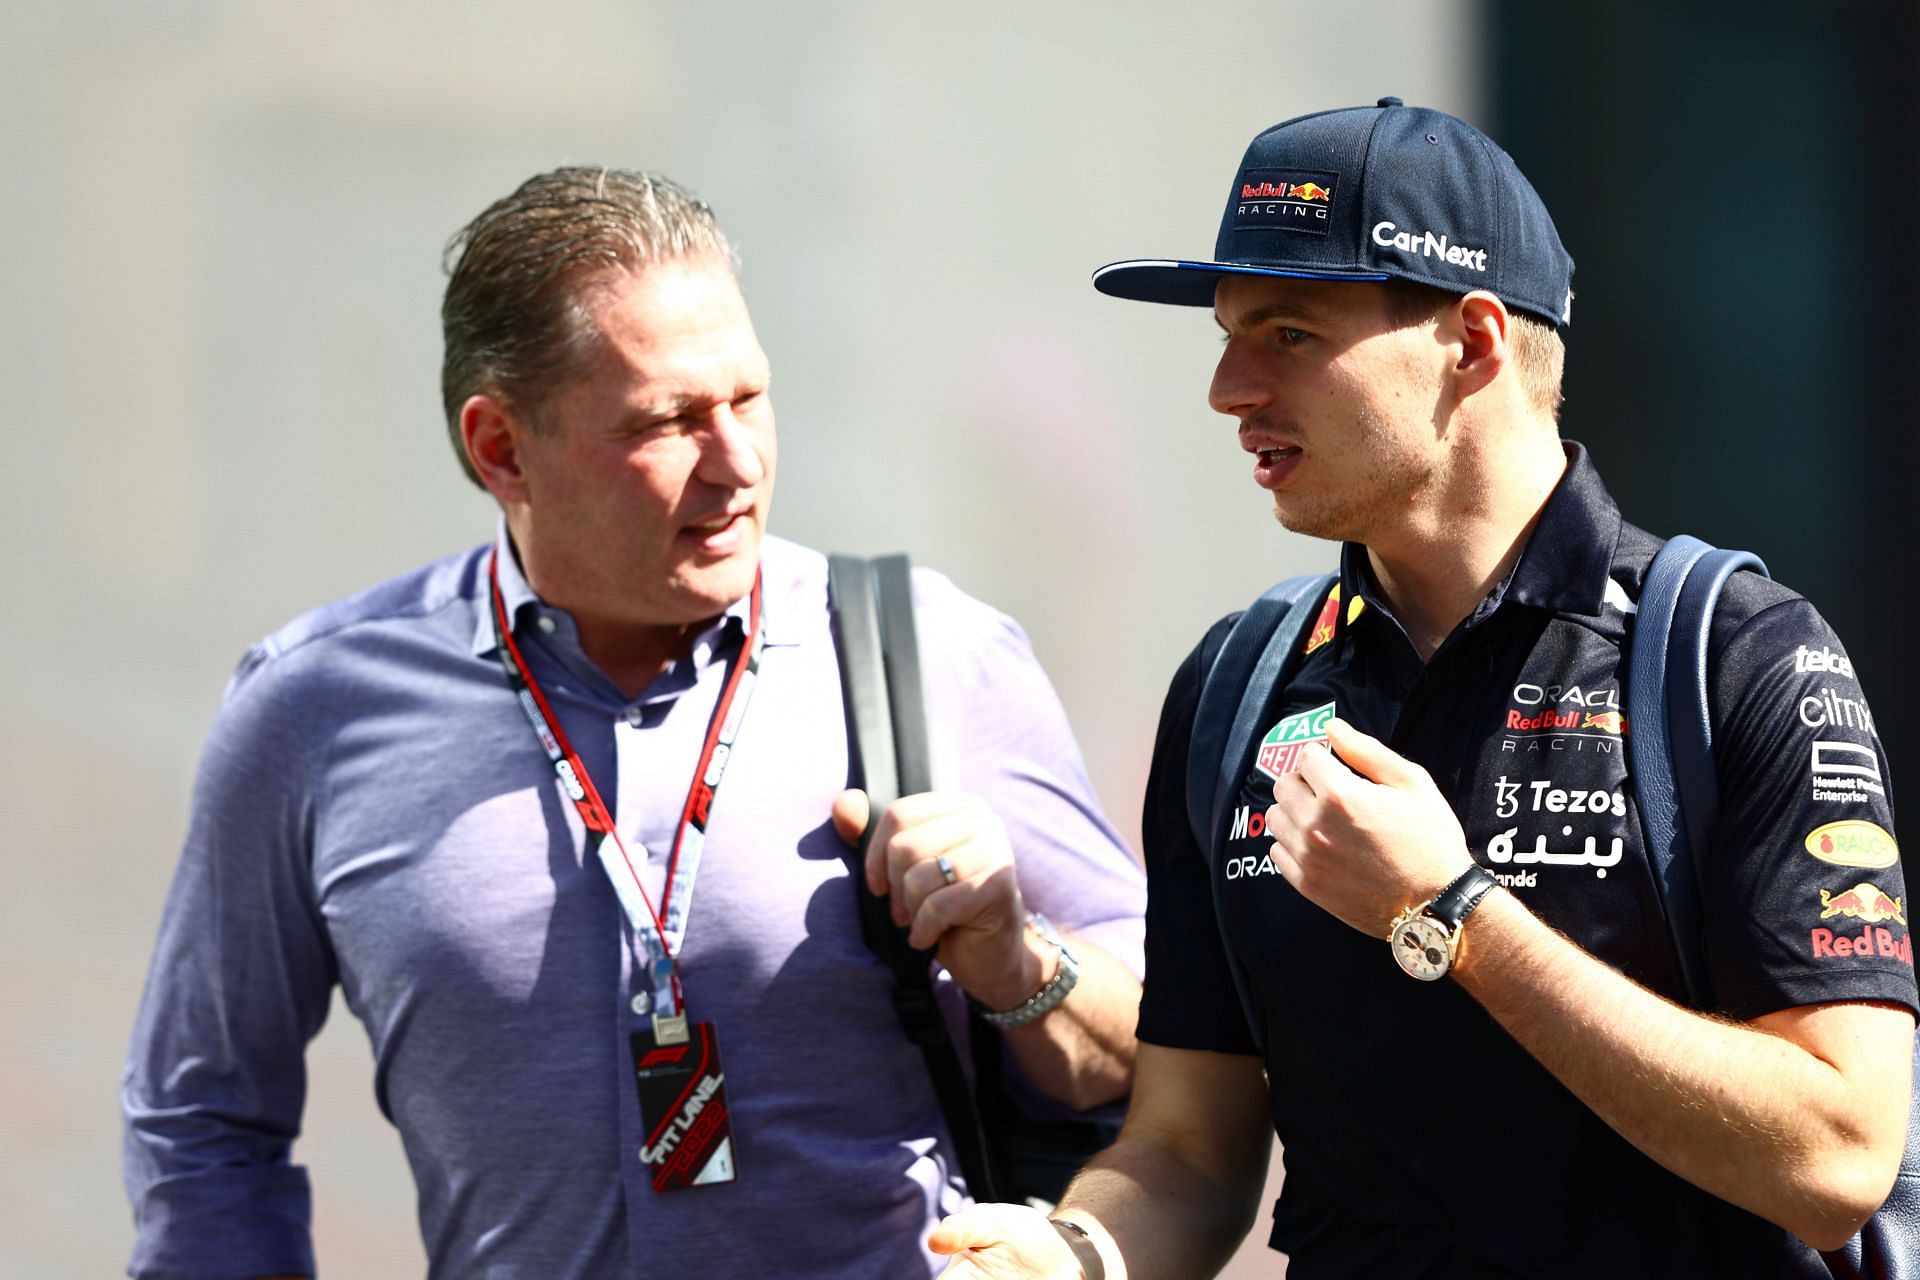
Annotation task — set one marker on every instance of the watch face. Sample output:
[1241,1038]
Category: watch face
[1420,946]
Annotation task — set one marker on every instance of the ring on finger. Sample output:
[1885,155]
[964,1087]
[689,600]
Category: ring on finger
[947,872]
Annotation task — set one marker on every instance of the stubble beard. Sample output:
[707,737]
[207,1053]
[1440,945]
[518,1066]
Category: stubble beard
[1388,482]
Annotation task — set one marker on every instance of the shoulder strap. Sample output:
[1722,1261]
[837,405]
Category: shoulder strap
[872,606]
[1670,736]
[1251,661]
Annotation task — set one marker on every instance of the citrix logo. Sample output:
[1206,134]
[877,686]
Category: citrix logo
[1427,244]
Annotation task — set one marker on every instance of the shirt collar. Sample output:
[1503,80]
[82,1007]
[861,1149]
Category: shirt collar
[1563,566]
[521,603]
[1565,562]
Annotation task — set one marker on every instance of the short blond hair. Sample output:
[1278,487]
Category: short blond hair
[1539,352]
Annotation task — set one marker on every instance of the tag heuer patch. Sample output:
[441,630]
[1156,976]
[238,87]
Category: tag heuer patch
[1280,750]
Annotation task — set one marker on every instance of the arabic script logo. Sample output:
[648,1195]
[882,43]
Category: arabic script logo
[1501,850]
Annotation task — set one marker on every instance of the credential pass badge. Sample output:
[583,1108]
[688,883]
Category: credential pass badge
[683,1109]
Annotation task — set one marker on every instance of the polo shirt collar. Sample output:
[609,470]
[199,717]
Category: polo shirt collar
[1565,563]
[1563,567]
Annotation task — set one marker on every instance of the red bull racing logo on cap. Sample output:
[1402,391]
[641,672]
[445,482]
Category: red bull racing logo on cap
[1280,750]
[1286,199]
[1285,191]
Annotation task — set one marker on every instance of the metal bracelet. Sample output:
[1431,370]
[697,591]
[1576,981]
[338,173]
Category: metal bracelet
[1048,997]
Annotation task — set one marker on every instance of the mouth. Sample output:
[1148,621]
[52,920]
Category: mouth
[722,533]
[1272,466]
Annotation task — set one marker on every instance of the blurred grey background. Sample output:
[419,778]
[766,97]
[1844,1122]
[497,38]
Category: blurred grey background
[218,334]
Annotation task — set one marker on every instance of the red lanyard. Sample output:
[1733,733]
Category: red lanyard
[662,929]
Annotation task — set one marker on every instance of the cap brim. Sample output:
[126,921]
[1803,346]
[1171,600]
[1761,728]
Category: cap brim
[1190,284]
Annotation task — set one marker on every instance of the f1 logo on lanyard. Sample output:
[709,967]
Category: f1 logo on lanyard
[676,1063]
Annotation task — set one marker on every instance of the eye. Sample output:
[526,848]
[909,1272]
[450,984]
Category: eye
[1288,337]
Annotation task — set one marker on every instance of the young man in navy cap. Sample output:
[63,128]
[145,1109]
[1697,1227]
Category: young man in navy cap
[1448,755]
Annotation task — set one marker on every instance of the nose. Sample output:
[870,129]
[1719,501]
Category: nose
[730,455]
[1238,390]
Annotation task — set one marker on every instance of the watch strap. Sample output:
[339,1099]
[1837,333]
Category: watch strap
[1454,903]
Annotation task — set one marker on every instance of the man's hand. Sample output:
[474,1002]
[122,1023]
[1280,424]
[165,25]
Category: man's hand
[1003,1242]
[976,919]
[1367,838]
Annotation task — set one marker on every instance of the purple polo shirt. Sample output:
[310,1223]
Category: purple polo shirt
[373,809]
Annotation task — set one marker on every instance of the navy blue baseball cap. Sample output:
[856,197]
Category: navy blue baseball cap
[1368,193]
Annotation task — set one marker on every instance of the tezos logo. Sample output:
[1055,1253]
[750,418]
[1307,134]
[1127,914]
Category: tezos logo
[1280,749]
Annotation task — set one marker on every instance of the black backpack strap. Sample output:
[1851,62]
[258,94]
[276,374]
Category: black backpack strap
[872,607]
[1670,737]
[1252,661]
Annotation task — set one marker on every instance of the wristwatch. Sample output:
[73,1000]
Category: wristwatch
[1426,938]
[1047,997]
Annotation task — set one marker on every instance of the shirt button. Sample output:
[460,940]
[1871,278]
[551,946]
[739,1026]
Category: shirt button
[635,716]
[643,1004]
[547,624]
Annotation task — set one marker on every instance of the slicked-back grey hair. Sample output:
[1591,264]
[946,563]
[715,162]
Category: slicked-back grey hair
[515,316]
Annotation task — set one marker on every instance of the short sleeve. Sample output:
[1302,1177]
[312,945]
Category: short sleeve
[242,973]
[1190,999]
[1804,898]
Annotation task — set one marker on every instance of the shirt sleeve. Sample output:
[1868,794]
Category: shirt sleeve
[1190,999]
[1013,746]
[1803,893]
[242,974]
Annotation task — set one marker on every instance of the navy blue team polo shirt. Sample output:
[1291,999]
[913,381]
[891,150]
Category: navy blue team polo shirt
[1419,1138]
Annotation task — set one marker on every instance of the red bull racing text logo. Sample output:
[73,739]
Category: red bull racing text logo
[1874,940]
[1285,191]
[1284,199]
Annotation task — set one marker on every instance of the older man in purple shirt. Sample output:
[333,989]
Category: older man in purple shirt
[481,797]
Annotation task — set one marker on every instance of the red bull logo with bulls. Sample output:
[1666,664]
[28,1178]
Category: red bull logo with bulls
[1873,908]
[1280,750]
[1867,903]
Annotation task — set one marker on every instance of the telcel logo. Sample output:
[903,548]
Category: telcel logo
[1427,244]
[1821,659]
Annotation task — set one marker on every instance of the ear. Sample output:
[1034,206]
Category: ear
[1483,329]
[492,432]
